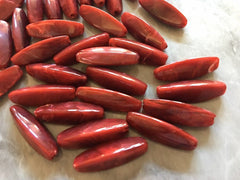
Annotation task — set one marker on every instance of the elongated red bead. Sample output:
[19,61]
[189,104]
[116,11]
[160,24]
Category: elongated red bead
[34,133]
[72,112]
[70,8]
[164,12]
[19,3]
[42,94]
[6,9]
[68,55]
[102,20]
[99,3]
[40,51]
[107,56]
[111,100]
[9,77]
[34,10]
[5,44]
[115,80]
[50,28]
[52,9]
[86,2]
[178,112]
[56,74]
[187,69]
[19,33]
[110,155]
[143,31]
[92,133]
[114,7]
[148,54]
[191,91]
[161,131]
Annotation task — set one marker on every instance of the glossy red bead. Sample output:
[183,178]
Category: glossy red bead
[143,31]
[161,131]
[51,28]
[191,91]
[52,9]
[110,155]
[115,80]
[34,133]
[178,113]
[19,33]
[68,55]
[102,20]
[56,74]
[42,94]
[34,10]
[40,51]
[6,9]
[187,69]
[92,133]
[107,56]
[99,3]
[148,54]
[164,12]
[114,7]
[5,44]
[9,77]
[70,8]
[111,100]
[72,112]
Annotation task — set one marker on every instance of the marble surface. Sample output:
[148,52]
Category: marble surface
[212,30]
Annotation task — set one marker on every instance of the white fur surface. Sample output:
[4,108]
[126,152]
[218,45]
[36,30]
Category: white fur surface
[213,29]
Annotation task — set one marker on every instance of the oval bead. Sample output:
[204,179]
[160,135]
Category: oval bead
[192,91]
[162,132]
[92,133]
[42,94]
[111,100]
[102,20]
[52,9]
[114,7]
[71,112]
[70,8]
[110,155]
[34,10]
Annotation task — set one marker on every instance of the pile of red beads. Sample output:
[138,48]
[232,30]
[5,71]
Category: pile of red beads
[56,103]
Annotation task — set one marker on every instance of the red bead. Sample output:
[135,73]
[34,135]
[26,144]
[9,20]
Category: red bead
[51,28]
[110,155]
[92,133]
[42,94]
[6,9]
[56,74]
[143,31]
[178,112]
[52,9]
[102,20]
[191,91]
[19,33]
[116,81]
[8,78]
[111,100]
[70,8]
[187,69]
[34,133]
[161,131]
[107,56]
[40,51]
[164,12]
[68,55]
[6,48]
[148,54]
[34,10]
[114,7]
[72,112]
